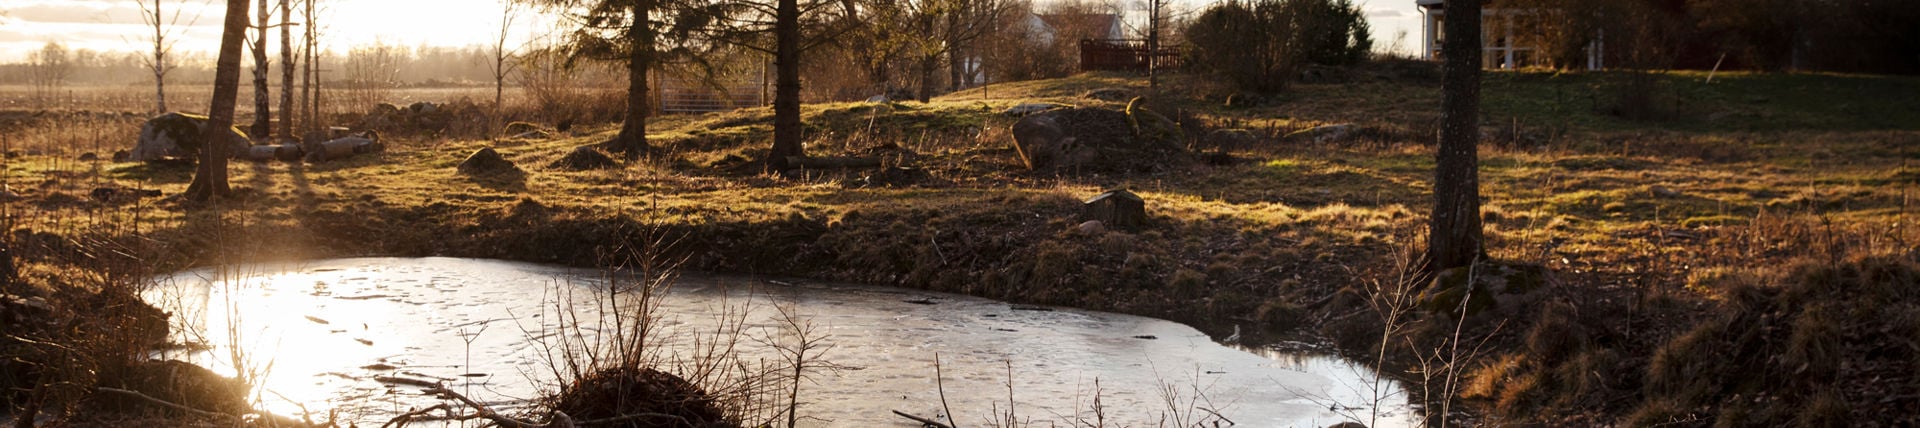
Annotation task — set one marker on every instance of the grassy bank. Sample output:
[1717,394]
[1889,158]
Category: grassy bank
[1669,212]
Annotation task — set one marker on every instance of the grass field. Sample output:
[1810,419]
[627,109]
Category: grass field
[1695,233]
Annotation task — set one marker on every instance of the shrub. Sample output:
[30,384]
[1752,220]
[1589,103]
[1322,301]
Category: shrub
[1257,46]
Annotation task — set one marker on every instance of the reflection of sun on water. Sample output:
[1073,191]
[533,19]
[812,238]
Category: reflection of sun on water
[284,334]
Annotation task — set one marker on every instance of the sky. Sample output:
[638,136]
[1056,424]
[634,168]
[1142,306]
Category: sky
[115,25]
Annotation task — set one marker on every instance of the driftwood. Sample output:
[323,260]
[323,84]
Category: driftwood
[833,162]
[921,420]
[481,411]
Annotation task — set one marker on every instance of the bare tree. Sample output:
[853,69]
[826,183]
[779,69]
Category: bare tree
[262,104]
[941,27]
[164,29]
[286,69]
[48,70]
[1455,238]
[503,59]
[210,180]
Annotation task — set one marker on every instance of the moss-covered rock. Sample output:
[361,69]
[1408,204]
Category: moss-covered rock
[1482,287]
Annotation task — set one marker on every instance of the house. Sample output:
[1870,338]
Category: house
[1498,44]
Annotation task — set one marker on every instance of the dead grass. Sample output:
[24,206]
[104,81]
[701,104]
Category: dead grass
[1650,227]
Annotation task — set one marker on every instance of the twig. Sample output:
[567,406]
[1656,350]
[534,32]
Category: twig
[164,403]
[923,421]
[482,411]
[400,421]
[940,384]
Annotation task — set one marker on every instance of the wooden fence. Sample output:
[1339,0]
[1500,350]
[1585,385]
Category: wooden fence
[1126,55]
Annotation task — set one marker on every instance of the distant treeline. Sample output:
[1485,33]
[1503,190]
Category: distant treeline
[415,66]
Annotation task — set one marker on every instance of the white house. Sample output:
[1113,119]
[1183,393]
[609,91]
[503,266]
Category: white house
[1497,41]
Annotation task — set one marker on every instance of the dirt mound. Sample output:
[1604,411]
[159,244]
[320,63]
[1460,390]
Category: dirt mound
[487,162]
[629,391]
[585,158]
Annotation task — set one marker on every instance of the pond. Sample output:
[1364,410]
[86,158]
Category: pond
[355,336]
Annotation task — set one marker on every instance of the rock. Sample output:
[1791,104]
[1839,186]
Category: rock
[121,194]
[342,148]
[585,158]
[1244,99]
[877,99]
[1230,139]
[1494,285]
[487,162]
[519,128]
[897,177]
[120,155]
[1324,133]
[89,157]
[1663,192]
[179,135]
[281,152]
[1089,140]
[1109,94]
[1348,424]
[1092,227]
[1119,209]
[1031,108]
[1152,126]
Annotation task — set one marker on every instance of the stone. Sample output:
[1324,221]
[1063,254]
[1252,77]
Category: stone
[1089,140]
[342,148]
[1092,227]
[120,155]
[89,157]
[897,177]
[1348,424]
[1493,285]
[1150,125]
[1031,108]
[179,135]
[1663,192]
[1119,209]
[1231,139]
[1324,133]
[877,99]
[121,194]
[1109,94]
[486,161]
[516,129]
[585,158]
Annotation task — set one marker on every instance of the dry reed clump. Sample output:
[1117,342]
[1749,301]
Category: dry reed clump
[653,398]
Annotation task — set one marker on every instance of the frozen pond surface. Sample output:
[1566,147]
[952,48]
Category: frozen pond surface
[325,333]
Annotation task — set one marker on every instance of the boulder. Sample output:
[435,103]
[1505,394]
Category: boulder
[585,158]
[89,157]
[1118,209]
[1492,285]
[1088,140]
[1230,139]
[1324,133]
[897,177]
[179,135]
[1152,126]
[486,161]
[121,155]
[1031,108]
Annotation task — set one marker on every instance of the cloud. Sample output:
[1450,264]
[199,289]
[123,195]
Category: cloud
[1387,13]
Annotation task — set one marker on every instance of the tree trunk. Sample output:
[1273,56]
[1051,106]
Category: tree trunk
[210,180]
[786,87]
[1455,238]
[632,140]
[262,102]
[927,66]
[159,61]
[307,102]
[286,69]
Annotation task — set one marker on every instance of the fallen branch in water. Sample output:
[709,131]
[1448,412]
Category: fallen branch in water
[560,419]
[921,420]
[164,403]
[402,420]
